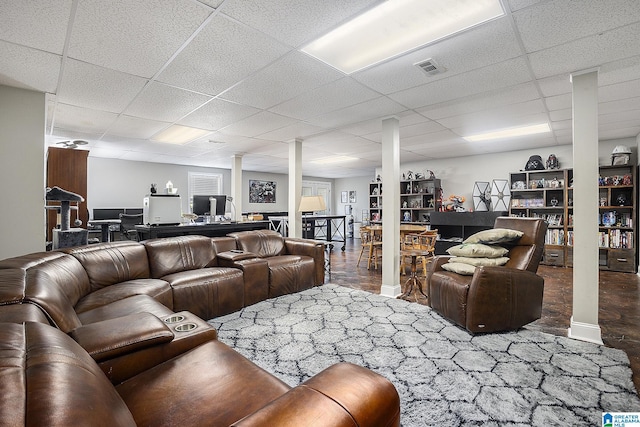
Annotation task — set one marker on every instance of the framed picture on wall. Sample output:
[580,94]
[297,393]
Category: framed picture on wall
[262,191]
[352,196]
[343,197]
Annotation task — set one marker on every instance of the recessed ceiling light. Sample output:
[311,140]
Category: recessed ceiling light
[178,134]
[509,133]
[398,26]
[333,159]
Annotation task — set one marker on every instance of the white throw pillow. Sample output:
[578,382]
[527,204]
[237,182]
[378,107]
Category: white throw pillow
[492,262]
[459,268]
[477,250]
[494,236]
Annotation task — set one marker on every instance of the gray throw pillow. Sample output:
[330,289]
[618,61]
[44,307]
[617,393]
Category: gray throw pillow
[477,250]
[494,236]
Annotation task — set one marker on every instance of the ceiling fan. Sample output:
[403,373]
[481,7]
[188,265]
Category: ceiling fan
[72,144]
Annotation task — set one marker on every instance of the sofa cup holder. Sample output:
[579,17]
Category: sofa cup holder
[185,327]
[175,318]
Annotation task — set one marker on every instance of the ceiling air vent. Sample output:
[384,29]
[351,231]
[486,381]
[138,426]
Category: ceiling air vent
[430,67]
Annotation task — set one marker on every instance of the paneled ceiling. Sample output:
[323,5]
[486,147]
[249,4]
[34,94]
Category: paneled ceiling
[117,72]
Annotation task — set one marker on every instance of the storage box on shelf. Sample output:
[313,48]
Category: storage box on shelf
[418,199]
[542,194]
[375,201]
[548,194]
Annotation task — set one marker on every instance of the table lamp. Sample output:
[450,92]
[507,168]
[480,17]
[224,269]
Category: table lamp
[311,204]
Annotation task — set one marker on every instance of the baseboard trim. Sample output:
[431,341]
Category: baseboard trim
[391,291]
[585,332]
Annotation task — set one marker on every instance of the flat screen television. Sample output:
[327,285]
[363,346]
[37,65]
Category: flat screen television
[201,205]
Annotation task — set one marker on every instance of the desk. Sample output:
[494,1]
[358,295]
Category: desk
[104,227]
[329,228]
[210,230]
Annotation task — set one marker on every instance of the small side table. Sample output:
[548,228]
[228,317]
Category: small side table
[413,279]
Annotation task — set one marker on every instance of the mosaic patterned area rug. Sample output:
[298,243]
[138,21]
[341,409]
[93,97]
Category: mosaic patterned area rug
[444,375]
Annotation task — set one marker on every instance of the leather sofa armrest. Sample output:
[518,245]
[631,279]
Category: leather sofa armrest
[501,298]
[255,273]
[342,395]
[114,337]
[308,247]
[226,259]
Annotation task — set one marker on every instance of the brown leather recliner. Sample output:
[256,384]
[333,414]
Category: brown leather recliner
[494,298]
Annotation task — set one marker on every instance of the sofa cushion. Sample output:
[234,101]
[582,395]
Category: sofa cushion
[110,263]
[124,307]
[175,254]
[208,292]
[219,385]
[495,236]
[156,288]
[477,250]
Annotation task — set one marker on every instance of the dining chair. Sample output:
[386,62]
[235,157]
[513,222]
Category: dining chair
[425,241]
[371,245]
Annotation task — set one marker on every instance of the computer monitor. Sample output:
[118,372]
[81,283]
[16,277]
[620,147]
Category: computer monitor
[108,213]
[202,205]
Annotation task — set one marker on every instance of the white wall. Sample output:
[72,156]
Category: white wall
[459,174]
[114,183]
[361,187]
[22,171]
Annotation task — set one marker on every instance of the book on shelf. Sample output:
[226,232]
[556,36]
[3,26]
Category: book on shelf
[554,237]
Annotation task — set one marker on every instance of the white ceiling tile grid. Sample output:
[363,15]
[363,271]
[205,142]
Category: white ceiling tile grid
[117,72]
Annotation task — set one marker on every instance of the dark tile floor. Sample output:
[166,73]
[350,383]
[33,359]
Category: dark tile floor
[619,314]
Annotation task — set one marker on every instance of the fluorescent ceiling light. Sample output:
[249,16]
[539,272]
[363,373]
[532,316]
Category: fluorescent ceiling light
[398,26]
[178,134]
[509,133]
[334,159]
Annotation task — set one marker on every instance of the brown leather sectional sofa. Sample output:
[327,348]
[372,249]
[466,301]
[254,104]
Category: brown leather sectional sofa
[115,334]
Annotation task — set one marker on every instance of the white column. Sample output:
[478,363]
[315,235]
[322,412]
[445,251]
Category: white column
[236,186]
[584,319]
[295,187]
[390,208]
[22,171]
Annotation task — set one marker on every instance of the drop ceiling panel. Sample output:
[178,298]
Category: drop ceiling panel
[134,127]
[588,52]
[330,97]
[487,118]
[380,107]
[620,106]
[221,55]
[305,19]
[29,68]
[497,76]
[481,102]
[288,77]
[476,48]
[217,114]
[559,102]
[628,89]
[83,119]
[258,124]
[134,37]
[300,130]
[99,88]
[521,4]
[554,23]
[165,103]
[37,24]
